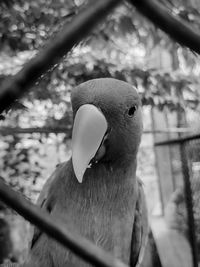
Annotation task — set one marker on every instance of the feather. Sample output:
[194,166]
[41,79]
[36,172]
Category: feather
[106,204]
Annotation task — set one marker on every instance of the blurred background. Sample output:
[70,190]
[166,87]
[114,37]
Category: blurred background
[35,133]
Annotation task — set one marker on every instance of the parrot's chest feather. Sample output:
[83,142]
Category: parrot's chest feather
[102,210]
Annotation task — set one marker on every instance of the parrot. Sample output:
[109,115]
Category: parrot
[96,193]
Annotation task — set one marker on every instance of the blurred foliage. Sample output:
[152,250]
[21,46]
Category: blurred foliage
[25,25]
[18,162]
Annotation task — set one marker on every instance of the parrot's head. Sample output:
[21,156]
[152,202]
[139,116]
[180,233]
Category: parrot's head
[107,124]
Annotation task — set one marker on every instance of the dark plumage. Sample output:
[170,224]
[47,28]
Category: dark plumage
[108,207]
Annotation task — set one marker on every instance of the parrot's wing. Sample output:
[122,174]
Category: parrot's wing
[140,229]
[45,201]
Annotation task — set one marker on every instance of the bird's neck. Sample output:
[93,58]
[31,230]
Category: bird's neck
[105,204]
[108,181]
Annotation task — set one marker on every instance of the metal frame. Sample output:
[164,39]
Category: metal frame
[14,88]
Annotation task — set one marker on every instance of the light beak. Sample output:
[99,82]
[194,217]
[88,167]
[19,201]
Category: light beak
[89,129]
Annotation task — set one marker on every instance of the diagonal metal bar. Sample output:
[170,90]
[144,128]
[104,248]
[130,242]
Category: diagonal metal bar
[55,229]
[71,34]
[175,27]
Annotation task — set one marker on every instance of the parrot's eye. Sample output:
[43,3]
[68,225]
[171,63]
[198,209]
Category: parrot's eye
[132,110]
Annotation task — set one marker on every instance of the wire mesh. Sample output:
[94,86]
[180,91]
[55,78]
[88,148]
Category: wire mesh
[192,152]
[185,162]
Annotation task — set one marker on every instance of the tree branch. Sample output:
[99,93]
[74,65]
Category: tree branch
[55,229]
[71,34]
[175,27]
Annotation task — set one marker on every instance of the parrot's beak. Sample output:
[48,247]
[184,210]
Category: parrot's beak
[89,129]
